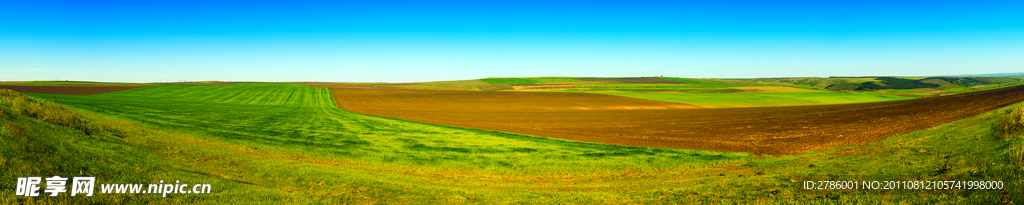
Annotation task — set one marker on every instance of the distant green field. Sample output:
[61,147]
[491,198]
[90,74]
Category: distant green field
[526,80]
[856,80]
[971,89]
[904,92]
[727,100]
[690,80]
[287,144]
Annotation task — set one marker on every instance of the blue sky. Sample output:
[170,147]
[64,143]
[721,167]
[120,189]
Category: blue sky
[408,41]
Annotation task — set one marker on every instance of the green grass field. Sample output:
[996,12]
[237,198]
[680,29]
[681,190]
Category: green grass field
[288,144]
[727,100]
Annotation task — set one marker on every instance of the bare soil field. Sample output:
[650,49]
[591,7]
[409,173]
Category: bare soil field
[634,122]
[70,89]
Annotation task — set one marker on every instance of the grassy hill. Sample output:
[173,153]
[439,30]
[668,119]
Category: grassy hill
[880,83]
[41,138]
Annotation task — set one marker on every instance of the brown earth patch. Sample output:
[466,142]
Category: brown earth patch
[771,130]
[70,89]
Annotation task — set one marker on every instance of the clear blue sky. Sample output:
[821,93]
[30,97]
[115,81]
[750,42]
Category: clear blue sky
[404,41]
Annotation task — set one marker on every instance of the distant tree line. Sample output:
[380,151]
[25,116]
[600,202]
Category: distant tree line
[903,83]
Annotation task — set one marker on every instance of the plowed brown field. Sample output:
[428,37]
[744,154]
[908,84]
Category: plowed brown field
[634,122]
[70,89]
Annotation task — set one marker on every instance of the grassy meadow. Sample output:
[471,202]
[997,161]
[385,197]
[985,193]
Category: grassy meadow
[289,144]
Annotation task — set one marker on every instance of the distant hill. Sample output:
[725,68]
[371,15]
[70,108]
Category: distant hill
[1020,74]
[870,83]
[898,83]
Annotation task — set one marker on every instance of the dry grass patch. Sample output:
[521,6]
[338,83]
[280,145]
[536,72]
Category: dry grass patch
[45,111]
[1010,124]
[1016,153]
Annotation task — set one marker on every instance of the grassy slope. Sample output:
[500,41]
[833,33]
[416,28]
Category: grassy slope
[111,152]
[961,150]
[260,166]
[726,100]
